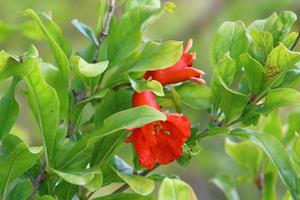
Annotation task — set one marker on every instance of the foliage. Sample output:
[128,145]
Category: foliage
[82,106]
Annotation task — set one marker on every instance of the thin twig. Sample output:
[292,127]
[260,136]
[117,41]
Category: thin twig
[105,30]
[38,181]
[296,41]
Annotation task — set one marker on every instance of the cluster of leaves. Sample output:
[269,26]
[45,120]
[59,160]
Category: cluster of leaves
[82,105]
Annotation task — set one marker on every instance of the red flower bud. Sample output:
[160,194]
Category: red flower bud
[181,71]
[161,141]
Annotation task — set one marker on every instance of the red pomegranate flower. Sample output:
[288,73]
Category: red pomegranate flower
[181,71]
[160,141]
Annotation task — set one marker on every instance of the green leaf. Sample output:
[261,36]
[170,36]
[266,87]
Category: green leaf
[254,73]
[283,25]
[173,189]
[130,118]
[97,95]
[65,190]
[153,57]
[194,95]
[124,196]
[45,106]
[53,78]
[263,25]
[224,69]
[261,45]
[146,85]
[9,66]
[125,36]
[141,185]
[9,109]
[290,39]
[277,154]
[280,60]
[90,69]
[293,125]
[246,154]
[230,37]
[18,159]
[270,182]
[232,103]
[158,56]
[227,185]
[95,183]
[60,56]
[273,125]
[57,34]
[22,190]
[134,3]
[280,97]
[86,31]
[82,177]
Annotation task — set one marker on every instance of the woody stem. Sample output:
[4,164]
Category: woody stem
[105,30]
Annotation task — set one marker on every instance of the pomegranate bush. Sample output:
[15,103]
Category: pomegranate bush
[125,89]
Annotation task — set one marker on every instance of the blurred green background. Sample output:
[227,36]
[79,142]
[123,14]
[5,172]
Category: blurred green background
[198,19]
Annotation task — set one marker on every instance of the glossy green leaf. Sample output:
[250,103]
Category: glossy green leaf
[60,56]
[45,197]
[246,154]
[18,159]
[53,78]
[254,73]
[224,69]
[65,190]
[174,189]
[97,95]
[141,185]
[95,183]
[158,56]
[261,45]
[9,109]
[283,25]
[86,31]
[280,60]
[22,190]
[279,157]
[45,106]
[263,25]
[290,39]
[227,185]
[90,69]
[230,37]
[56,33]
[82,177]
[232,103]
[147,85]
[273,125]
[194,95]
[280,97]
[9,66]
[130,118]
[124,196]
[293,125]
[125,36]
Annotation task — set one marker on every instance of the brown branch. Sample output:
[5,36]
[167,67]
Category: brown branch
[38,181]
[105,30]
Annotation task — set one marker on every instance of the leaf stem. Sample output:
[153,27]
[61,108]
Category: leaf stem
[105,30]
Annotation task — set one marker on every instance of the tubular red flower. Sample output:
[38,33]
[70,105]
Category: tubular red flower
[160,141]
[181,71]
